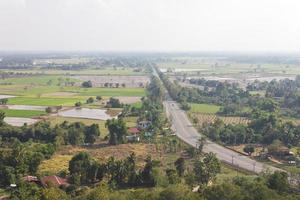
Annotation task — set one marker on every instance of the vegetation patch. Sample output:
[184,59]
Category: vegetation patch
[42,101]
[204,108]
[22,113]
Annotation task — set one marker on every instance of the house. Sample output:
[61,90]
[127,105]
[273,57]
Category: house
[31,179]
[54,180]
[144,125]
[133,134]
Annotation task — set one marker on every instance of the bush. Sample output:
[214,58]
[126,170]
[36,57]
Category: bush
[87,84]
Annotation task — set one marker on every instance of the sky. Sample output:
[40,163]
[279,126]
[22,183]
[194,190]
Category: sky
[150,25]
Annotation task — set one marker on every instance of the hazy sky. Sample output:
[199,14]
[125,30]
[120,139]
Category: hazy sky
[150,25]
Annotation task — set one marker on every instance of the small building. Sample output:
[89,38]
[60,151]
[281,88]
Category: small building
[144,125]
[54,180]
[133,134]
[31,179]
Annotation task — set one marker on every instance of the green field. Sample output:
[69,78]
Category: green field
[204,108]
[92,71]
[22,113]
[48,80]
[111,92]
[34,101]
[201,65]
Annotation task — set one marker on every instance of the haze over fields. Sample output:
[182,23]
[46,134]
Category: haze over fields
[140,25]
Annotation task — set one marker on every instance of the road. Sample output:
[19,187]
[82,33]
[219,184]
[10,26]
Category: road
[186,132]
[183,128]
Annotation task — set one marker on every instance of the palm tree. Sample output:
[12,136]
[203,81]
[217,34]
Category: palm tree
[201,143]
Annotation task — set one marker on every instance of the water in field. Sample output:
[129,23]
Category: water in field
[26,107]
[19,121]
[3,96]
[86,113]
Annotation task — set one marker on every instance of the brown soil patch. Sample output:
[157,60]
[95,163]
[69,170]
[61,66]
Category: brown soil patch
[209,118]
[129,100]
[113,112]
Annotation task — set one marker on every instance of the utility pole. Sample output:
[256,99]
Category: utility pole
[232,157]
[254,164]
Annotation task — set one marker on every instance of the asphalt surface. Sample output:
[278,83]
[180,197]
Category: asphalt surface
[186,132]
[183,128]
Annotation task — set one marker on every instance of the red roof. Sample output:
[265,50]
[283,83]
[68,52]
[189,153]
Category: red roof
[53,180]
[133,130]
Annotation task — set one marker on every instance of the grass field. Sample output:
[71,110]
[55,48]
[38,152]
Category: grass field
[22,113]
[130,122]
[204,108]
[34,101]
[39,80]
[104,71]
[204,66]
[34,91]
[111,92]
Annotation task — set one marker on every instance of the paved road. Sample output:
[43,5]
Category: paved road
[185,131]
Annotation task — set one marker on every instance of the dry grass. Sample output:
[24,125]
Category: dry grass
[100,152]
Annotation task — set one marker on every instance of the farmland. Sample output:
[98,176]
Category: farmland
[22,113]
[204,108]
[209,118]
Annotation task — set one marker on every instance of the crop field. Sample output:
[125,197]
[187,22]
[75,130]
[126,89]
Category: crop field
[219,66]
[34,91]
[209,118]
[204,108]
[34,101]
[108,71]
[54,120]
[48,80]
[111,92]
[127,81]
[22,113]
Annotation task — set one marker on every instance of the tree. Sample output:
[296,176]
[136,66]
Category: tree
[185,106]
[90,100]
[249,149]
[201,143]
[207,169]
[2,116]
[146,174]
[275,147]
[100,193]
[78,104]
[53,193]
[114,103]
[3,101]
[278,181]
[117,131]
[75,136]
[131,169]
[92,133]
[48,109]
[99,98]
[87,84]
[180,166]
[225,191]
[172,176]
[78,166]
